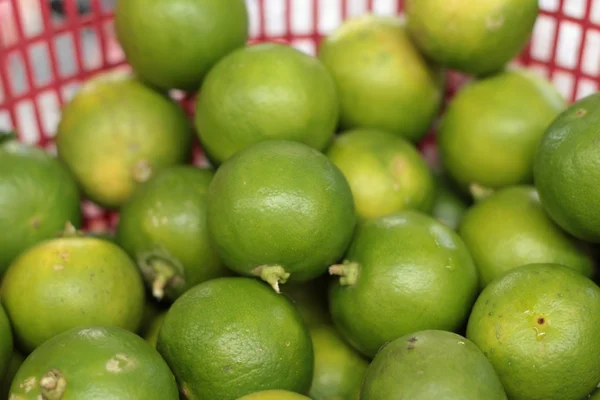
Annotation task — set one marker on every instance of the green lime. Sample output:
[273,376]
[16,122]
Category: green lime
[70,282]
[310,299]
[429,365]
[383,81]
[279,208]
[38,196]
[230,337]
[264,92]
[173,44]
[474,37]
[274,395]
[492,128]
[386,173]
[449,207]
[13,366]
[595,396]
[94,363]
[510,229]
[116,133]
[403,273]
[6,342]
[151,334]
[566,169]
[163,228]
[538,326]
[339,369]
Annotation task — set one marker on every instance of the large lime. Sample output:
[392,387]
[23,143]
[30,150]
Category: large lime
[510,229]
[382,79]
[491,130]
[38,196]
[94,363]
[163,228]
[70,282]
[174,43]
[403,272]
[538,325]
[230,337]
[385,172]
[430,365]
[566,169]
[280,208]
[116,133]
[263,92]
[475,37]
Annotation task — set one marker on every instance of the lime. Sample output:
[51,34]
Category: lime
[6,342]
[274,395]
[383,81]
[71,282]
[279,208]
[510,229]
[449,207]
[431,365]
[38,196]
[151,334]
[230,337]
[491,130]
[264,92]
[13,366]
[538,326]
[310,299]
[339,370]
[403,272]
[566,169]
[116,133]
[474,37]
[163,228]
[385,172]
[157,37]
[94,363]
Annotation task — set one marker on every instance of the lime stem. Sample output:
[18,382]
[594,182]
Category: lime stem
[53,385]
[163,273]
[273,275]
[480,192]
[70,230]
[347,271]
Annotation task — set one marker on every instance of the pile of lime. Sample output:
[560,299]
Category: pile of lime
[318,256]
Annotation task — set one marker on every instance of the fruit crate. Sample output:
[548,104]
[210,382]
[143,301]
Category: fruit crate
[48,47]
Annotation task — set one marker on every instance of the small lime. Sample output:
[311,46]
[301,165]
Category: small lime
[280,209]
[385,172]
[94,363]
[430,365]
[230,337]
[403,273]
[538,326]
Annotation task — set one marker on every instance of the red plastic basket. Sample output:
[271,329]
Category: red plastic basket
[44,56]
